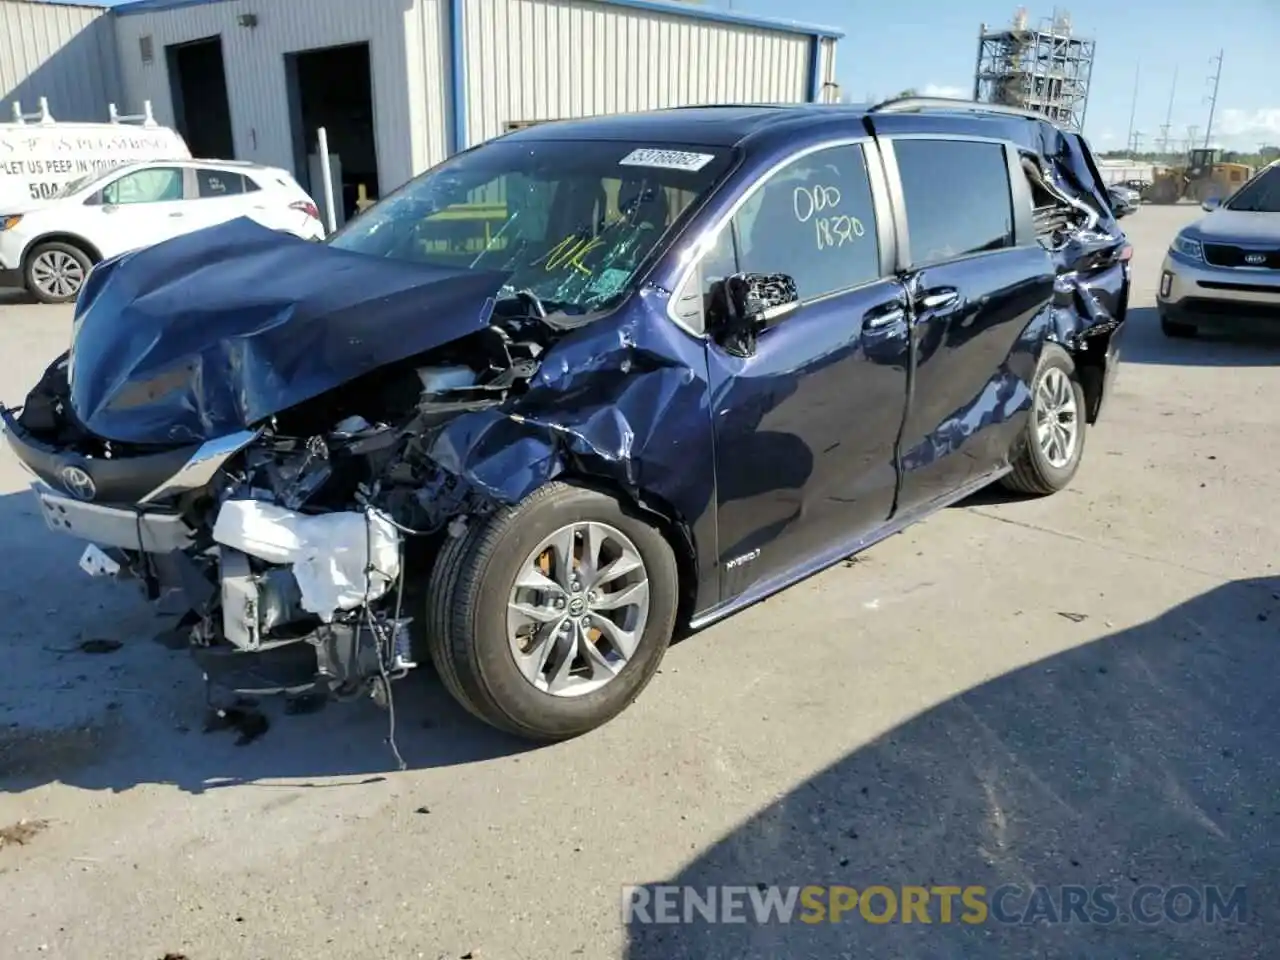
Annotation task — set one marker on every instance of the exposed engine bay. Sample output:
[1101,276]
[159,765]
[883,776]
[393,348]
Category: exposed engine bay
[295,548]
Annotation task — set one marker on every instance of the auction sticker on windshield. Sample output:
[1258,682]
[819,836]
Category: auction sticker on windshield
[666,159]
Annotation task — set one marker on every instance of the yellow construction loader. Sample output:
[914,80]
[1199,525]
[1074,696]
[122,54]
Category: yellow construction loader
[1204,175]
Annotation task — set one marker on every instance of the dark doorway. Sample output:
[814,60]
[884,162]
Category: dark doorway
[333,88]
[202,114]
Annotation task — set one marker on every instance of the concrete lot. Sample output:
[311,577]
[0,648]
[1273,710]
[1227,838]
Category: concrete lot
[1073,691]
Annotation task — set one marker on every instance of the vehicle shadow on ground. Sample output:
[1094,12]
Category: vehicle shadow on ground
[1251,344]
[1148,757]
[136,713]
[12,297]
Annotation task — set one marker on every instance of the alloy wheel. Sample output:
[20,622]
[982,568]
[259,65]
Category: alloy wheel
[57,274]
[578,609]
[1057,418]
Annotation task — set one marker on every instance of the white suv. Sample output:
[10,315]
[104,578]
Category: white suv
[50,247]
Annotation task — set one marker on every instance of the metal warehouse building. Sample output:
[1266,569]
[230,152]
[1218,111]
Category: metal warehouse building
[398,84]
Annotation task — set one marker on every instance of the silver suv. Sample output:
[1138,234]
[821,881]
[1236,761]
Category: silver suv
[1227,265]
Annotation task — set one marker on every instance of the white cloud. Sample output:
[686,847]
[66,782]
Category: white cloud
[942,90]
[1245,129]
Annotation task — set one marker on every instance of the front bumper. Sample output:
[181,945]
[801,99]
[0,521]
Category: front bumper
[1191,288]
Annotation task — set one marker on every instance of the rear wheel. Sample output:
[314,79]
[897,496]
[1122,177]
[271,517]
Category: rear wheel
[1049,452]
[56,271]
[549,618]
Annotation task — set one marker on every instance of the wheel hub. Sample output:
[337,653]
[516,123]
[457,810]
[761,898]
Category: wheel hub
[1057,418]
[578,609]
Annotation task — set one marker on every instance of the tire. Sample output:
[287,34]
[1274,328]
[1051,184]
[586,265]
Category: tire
[55,272]
[467,614]
[1035,471]
[1177,329]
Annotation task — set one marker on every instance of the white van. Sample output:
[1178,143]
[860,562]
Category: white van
[39,156]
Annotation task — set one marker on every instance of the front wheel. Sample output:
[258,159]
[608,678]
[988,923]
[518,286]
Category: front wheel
[56,271]
[548,618]
[1049,452]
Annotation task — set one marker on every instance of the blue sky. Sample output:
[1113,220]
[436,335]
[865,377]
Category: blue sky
[932,44]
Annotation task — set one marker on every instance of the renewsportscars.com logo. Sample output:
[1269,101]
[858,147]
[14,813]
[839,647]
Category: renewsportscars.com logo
[880,904]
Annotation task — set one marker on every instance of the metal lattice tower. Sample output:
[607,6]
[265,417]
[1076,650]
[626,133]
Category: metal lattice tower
[1046,68]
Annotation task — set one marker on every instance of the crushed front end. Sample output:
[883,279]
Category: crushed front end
[283,547]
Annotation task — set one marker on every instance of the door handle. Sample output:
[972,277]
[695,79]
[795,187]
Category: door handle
[887,318]
[939,299]
[177,214]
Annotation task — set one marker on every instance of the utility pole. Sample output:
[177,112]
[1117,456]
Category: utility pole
[1168,117]
[1213,99]
[1133,109]
[1191,136]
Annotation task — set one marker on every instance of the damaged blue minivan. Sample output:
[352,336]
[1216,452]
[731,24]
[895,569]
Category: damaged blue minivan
[580,389]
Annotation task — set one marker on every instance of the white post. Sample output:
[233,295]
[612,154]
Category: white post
[17,113]
[326,175]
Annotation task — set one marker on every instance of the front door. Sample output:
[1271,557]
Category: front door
[805,428]
[140,209]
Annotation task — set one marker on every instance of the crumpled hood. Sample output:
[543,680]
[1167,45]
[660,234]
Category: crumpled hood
[1238,226]
[217,330]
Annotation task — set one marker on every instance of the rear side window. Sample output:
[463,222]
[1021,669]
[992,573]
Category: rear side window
[219,183]
[957,197]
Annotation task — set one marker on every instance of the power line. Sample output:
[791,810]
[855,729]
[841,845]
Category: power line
[1213,99]
[1168,117]
[1133,109]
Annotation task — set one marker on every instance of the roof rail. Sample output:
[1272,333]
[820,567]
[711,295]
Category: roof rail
[145,118]
[912,104]
[43,116]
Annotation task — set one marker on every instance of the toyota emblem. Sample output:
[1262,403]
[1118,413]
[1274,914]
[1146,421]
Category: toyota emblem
[1255,259]
[78,483]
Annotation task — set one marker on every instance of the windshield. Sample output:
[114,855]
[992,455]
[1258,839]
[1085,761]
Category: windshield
[75,186]
[1261,195]
[571,221]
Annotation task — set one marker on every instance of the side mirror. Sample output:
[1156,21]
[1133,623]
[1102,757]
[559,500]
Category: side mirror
[745,304]
[1213,203]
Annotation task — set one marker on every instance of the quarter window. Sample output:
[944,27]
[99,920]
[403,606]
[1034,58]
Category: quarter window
[218,183]
[957,198]
[157,185]
[814,220]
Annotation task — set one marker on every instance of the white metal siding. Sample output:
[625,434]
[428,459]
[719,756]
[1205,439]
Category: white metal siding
[427,40]
[555,59]
[65,53]
[255,67]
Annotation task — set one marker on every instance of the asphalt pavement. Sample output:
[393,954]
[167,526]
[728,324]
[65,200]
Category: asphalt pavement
[1074,693]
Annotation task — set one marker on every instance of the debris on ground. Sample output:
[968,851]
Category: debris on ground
[1073,617]
[100,646]
[306,703]
[21,833]
[243,717]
